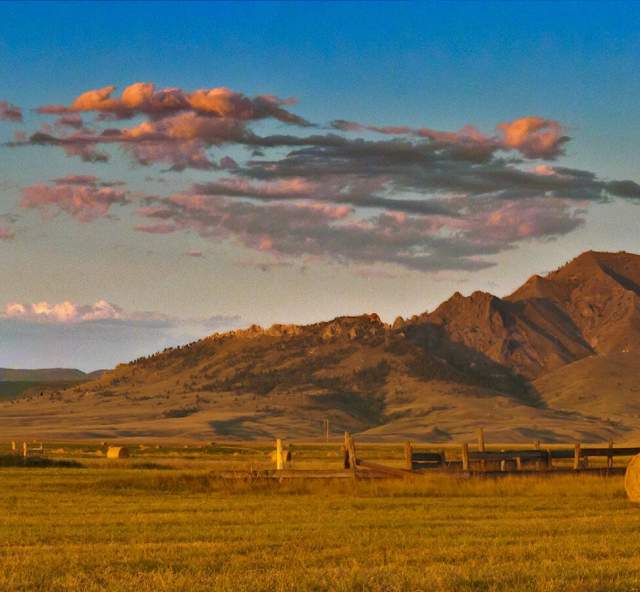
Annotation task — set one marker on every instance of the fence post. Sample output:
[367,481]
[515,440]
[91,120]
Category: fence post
[353,459]
[345,449]
[481,447]
[465,457]
[408,456]
[536,446]
[443,458]
[576,457]
[25,450]
[14,448]
[610,456]
[481,440]
[279,458]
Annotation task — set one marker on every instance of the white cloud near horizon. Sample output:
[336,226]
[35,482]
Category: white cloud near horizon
[91,337]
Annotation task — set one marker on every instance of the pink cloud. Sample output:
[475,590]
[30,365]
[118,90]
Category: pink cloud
[9,112]
[62,312]
[535,137]
[6,233]
[81,197]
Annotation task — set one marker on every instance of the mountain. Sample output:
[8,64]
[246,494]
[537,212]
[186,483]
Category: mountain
[47,375]
[14,382]
[555,360]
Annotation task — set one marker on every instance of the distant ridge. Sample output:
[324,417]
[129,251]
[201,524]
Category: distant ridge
[46,374]
[15,382]
[520,366]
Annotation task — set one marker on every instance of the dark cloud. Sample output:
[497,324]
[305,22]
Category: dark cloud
[316,230]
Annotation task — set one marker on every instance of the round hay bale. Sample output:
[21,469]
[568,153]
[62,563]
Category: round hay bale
[117,452]
[632,479]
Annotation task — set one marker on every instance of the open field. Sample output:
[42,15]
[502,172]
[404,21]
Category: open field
[124,525]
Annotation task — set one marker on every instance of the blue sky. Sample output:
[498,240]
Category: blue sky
[418,65]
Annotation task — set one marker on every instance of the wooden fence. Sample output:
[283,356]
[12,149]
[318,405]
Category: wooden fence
[479,460]
[28,450]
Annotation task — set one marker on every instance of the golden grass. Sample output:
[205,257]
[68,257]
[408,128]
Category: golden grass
[123,529]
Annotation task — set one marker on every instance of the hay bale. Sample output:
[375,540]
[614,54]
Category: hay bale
[117,452]
[632,479]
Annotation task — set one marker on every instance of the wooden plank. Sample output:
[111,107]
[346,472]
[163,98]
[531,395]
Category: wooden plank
[419,466]
[427,457]
[576,456]
[562,453]
[610,451]
[566,453]
[495,455]
[391,471]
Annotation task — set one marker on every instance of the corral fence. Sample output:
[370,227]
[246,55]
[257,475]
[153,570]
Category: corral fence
[466,459]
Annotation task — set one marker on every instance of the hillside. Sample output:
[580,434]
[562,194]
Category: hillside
[532,365]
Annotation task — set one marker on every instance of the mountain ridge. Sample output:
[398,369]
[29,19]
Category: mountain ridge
[474,360]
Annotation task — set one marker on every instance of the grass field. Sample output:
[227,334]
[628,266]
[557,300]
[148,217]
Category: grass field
[111,526]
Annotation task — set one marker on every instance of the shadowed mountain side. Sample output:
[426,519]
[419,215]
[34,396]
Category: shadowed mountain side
[522,367]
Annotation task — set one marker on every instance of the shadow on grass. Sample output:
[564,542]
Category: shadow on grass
[12,460]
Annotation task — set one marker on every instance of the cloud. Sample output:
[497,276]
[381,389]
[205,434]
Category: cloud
[82,197]
[406,196]
[532,136]
[63,312]
[99,335]
[68,312]
[312,230]
[143,98]
[6,233]
[535,137]
[9,112]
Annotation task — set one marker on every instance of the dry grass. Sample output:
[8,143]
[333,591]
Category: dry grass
[155,530]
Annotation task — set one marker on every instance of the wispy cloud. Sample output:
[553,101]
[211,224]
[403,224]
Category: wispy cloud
[82,197]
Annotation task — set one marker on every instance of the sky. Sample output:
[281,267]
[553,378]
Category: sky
[170,170]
